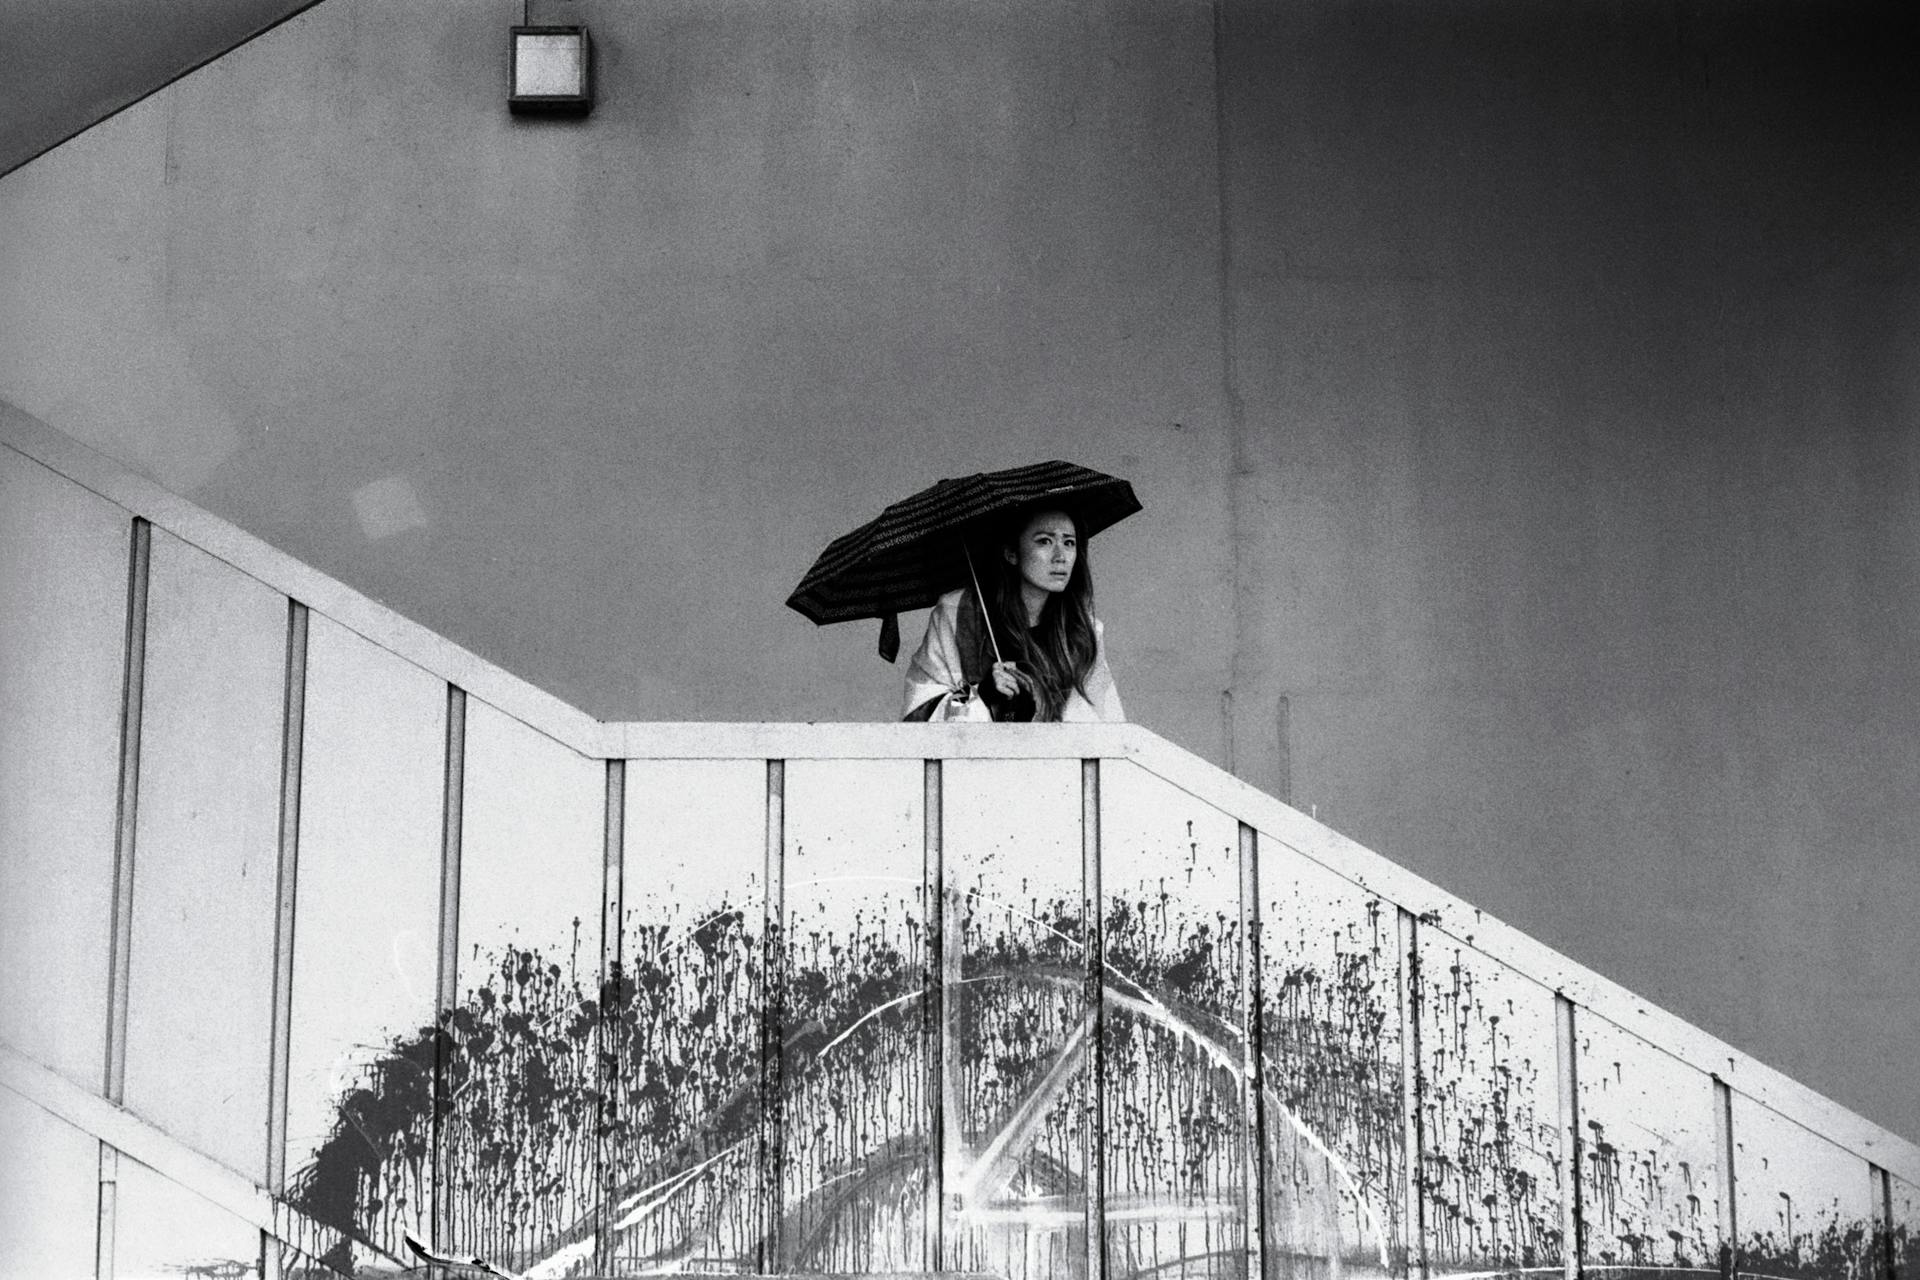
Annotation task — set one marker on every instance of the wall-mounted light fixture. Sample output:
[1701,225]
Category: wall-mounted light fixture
[552,71]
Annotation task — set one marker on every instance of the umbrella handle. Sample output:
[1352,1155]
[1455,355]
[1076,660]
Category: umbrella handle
[985,616]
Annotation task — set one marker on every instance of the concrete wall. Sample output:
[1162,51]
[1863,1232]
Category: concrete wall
[1524,405]
[1579,513]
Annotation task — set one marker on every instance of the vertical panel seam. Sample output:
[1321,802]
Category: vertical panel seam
[120,927]
[1886,1200]
[773,1024]
[292,754]
[933,1009]
[952,957]
[1729,1209]
[1572,1214]
[1092,913]
[107,1209]
[612,914]
[1253,1005]
[446,978]
[1880,1188]
[126,818]
[1412,1078]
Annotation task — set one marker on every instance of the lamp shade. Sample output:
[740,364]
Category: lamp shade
[551,71]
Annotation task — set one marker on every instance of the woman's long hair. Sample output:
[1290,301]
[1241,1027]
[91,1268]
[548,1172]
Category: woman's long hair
[1057,652]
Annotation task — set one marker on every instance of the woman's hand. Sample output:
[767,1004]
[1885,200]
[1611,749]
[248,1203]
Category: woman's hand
[1009,679]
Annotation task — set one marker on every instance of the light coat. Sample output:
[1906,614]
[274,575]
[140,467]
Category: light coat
[938,672]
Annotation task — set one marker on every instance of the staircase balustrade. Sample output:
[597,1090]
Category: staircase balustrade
[325,934]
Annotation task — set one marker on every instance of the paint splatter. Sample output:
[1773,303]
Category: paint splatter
[734,1099]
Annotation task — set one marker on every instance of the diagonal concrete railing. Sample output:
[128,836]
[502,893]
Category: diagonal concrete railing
[339,933]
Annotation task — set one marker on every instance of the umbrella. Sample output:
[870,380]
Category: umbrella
[916,550]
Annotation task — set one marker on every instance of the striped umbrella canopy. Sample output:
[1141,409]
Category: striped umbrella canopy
[912,553]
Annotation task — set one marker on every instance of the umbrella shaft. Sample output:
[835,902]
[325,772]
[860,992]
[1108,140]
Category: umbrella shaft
[986,614]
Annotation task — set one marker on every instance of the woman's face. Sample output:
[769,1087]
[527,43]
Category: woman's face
[1047,551]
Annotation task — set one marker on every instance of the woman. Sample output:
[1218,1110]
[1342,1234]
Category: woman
[1051,660]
